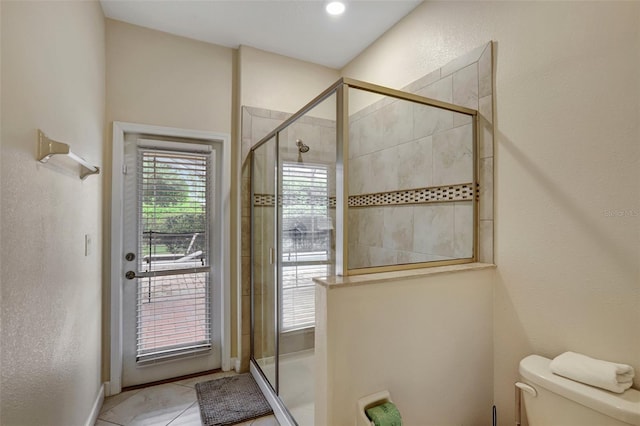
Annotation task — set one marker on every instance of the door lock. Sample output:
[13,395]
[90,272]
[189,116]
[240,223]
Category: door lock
[130,275]
[130,256]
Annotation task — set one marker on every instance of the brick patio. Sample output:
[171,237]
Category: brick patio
[174,313]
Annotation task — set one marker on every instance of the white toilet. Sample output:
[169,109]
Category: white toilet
[552,400]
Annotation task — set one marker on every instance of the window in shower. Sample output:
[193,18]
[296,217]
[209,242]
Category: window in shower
[306,236]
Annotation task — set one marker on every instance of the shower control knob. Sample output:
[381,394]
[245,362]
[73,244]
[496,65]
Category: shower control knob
[130,275]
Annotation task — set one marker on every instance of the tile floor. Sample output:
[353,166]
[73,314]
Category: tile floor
[174,404]
[296,384]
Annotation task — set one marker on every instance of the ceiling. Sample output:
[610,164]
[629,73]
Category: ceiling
[299,29]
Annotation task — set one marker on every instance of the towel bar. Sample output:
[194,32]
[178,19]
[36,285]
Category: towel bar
[48,147]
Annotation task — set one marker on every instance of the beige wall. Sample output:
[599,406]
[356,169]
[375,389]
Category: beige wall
[161,79]
[567,240]
[427,340]
[280,83]
[53,61]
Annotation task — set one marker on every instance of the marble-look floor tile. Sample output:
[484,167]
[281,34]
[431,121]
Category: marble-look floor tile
[105,423]
[112,401]
[156,405]
[190,417]
[304,414]
[265,421]
[192,382]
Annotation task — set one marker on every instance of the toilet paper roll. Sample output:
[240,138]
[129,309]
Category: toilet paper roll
[386,414]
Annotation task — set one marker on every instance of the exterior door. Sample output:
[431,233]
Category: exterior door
[171,284]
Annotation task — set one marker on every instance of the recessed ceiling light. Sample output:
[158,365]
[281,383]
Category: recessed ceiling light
[335,8]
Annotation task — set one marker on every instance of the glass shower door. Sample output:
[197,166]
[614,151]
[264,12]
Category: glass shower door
[264,289]
[306,218]
[293,192]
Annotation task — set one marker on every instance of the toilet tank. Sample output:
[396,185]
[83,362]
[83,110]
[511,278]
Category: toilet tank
[563,402]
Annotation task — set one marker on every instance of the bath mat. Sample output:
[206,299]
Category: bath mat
[231,400]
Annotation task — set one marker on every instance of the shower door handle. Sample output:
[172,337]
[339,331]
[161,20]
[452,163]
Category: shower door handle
[272,255]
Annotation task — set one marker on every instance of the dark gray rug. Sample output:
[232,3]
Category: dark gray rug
[231,400]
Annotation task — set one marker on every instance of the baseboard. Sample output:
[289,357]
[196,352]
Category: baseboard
[97,406]
[237,364]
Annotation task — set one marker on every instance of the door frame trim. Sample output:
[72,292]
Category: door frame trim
[117,217]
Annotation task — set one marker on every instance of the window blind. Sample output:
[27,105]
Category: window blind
[173,295]
[306,240]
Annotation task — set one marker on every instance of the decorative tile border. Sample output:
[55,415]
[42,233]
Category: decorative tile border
[264,200]
[438,194]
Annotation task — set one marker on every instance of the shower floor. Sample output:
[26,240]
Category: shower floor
[297,382]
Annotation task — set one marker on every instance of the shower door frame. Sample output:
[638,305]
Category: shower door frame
[340,88]
[269,390]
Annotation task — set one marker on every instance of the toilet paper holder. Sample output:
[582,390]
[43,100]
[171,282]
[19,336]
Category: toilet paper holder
[368,402]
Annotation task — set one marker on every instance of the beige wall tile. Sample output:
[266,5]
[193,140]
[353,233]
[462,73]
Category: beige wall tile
[465,87]
[370,226]
[486,126]
[485,73]
[246,276]
[452,156]
[486,189]
[441,90]
[427,120]
[415,164]
[358,256]
[397,123]
[463,229]
[398,228]
[433,226]
[381,256]
[485,245]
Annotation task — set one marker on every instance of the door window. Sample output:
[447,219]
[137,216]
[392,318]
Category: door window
[173,294]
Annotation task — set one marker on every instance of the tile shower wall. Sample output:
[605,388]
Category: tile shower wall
[395,145]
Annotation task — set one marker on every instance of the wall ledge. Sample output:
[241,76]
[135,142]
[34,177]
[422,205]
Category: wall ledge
[381,277]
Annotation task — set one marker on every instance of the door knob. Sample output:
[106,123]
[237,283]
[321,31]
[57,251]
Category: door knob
[129,256]
[130,275]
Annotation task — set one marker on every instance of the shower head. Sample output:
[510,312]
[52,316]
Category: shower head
[301,146]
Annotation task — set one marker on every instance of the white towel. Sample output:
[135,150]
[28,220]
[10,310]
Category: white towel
[603,374]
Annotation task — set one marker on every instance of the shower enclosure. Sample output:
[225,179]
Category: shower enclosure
[363,179]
